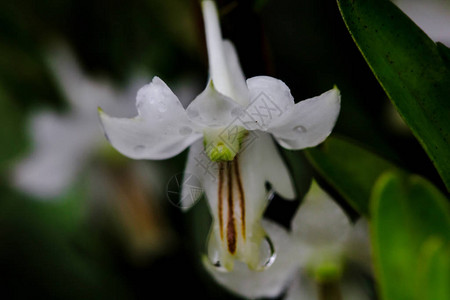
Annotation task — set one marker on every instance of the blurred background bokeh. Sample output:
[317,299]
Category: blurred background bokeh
[80,221]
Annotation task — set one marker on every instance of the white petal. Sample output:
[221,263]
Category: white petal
[61,147]
[224,66]
[269,99]
[161,130]
[200,172]
[273,166]
[260,162]
[307,123]
[240,90]
[83,93]
[320,222]
[268,283]
[213,109]
[257,163]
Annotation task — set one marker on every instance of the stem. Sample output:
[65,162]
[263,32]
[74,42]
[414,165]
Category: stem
[329,290]
[214,43]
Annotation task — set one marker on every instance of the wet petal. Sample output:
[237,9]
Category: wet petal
[237,197]
[307,123]
[161,130]
[212,109]
[320,222]
[268,283]
[269,99]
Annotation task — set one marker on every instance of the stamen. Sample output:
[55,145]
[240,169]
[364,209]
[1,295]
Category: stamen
[231,227]
[220,198]
[241,194]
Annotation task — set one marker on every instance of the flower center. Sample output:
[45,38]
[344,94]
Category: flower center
[222,144]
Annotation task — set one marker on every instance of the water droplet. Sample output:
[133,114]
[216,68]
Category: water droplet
[300,129]
[213,259]
[185,130]
[267,254]
[192,113]
[139,148]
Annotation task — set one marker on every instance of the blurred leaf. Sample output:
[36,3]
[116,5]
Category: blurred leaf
[445,53]
[411,70]
[433,274]
[406,213]
[350,169]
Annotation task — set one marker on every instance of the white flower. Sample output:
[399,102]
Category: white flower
[63,143]
[232,154]
[322,240]
[433,16]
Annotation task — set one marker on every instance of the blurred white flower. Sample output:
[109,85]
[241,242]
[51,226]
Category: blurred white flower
[322,241]
[433,16]
[232,154]
[63,143]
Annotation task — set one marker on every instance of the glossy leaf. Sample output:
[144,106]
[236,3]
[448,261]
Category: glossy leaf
[406,213]
[350,169]
[411,70]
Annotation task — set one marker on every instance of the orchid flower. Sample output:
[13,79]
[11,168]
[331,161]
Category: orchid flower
[63,143]
[232,154]
[317,249]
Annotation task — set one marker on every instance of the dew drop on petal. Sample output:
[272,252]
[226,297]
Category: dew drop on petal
[185,130]
[192,113]
[300,129]
[139,148]
[267,254]
[213,259]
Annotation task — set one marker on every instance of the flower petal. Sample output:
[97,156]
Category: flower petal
[269,99]
[224,67]
[273,166]
[240,90]
[61,146]
[200,173]
[268,283]
[237,196]
[161,130]
[307,123]
[213,109]
[320,222]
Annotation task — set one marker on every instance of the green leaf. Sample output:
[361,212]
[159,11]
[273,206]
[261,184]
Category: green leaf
[411,70]
[350,169]
[433,274]
[408,216]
